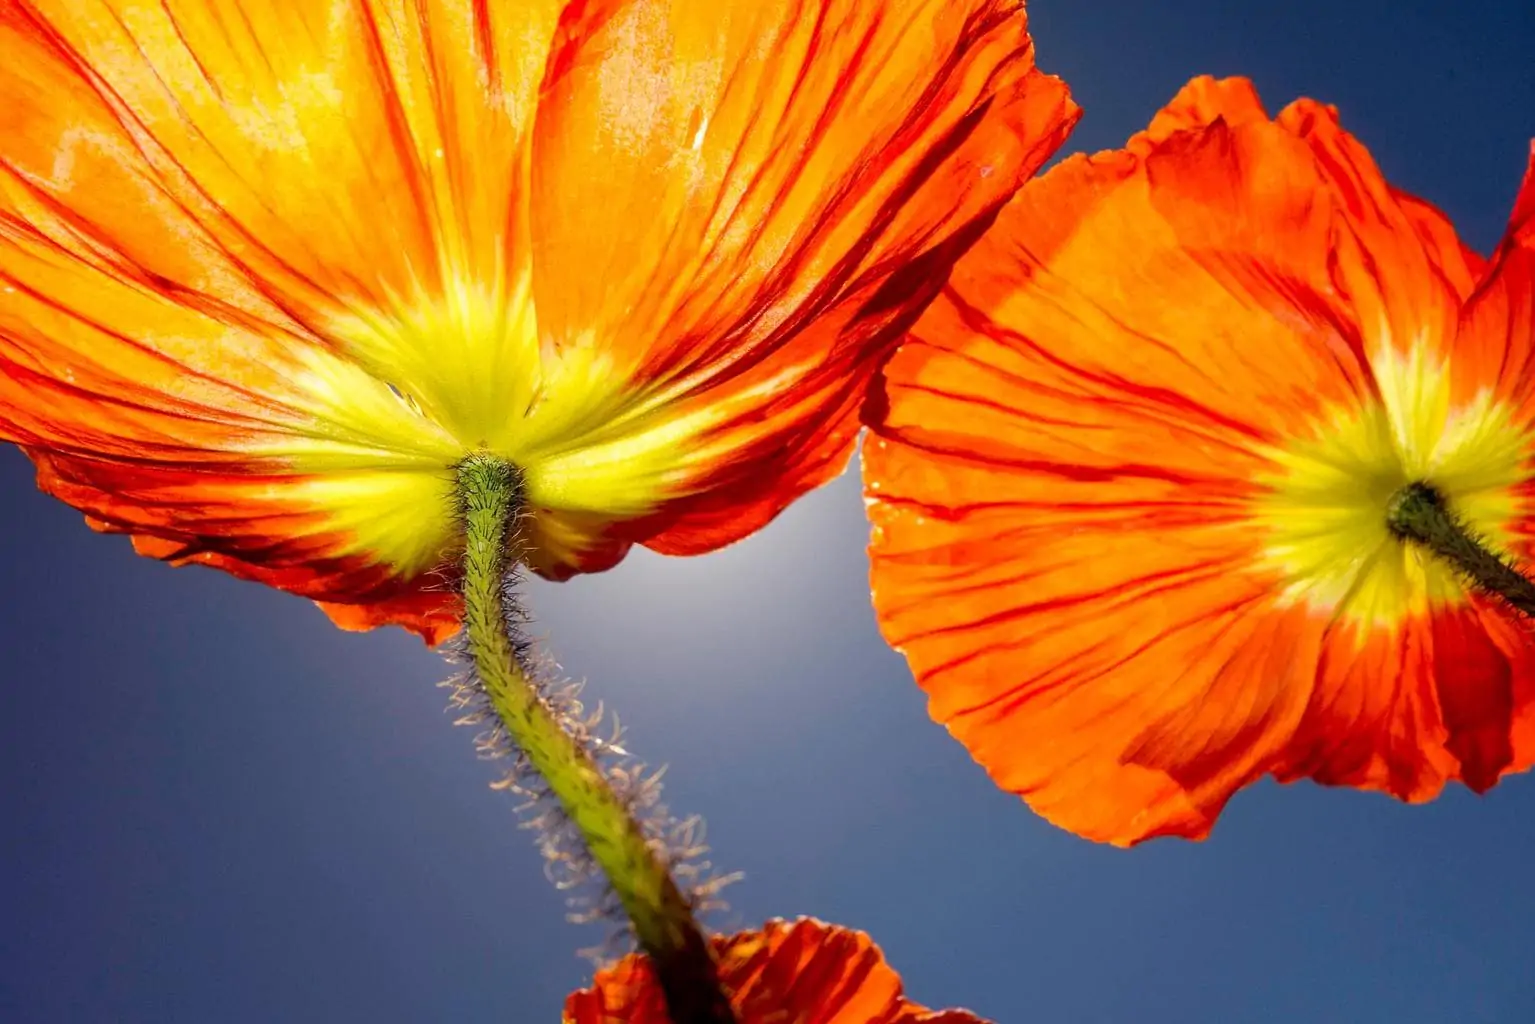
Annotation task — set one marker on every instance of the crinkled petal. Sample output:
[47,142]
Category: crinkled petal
[1399,263]
[740,206]
[1497,327]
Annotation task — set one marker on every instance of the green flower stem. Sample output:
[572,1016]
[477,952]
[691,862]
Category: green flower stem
[488,491]
[1418,513]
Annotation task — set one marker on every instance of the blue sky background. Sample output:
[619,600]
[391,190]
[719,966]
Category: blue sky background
[214,807]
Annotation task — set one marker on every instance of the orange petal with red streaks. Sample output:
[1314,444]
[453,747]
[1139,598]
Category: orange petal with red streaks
[1497,327]
[1399,259]
[338,154]
[189,193]
[744,205]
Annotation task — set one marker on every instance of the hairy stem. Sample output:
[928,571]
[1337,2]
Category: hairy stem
[1418,513]
[488,491]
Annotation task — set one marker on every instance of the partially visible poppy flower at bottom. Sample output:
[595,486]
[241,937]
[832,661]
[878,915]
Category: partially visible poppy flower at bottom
[1131,475]
[801,972]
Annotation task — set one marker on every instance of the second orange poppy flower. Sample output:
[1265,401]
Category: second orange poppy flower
[1130,478]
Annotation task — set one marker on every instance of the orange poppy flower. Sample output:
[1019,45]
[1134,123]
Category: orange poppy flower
[269,270]
[1131,478]
[804,972]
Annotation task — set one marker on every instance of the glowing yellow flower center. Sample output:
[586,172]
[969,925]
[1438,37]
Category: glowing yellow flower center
[1327,499]
[417,387]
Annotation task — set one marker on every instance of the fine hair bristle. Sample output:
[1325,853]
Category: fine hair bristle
[1483,566]
[677,843]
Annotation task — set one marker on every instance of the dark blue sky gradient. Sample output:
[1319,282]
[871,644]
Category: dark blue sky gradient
[217,809]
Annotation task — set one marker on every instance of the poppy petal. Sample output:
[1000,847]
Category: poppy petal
[248,116]
[174,262]
[1128,482]
[801,972]
[1399,263]
[1497,327]
[760,197]
[182,429]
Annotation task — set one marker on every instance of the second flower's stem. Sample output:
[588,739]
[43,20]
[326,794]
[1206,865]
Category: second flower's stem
[664,925]
[1418,514]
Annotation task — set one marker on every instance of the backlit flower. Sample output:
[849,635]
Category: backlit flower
[1132,473]
[269,269]
[803,972]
